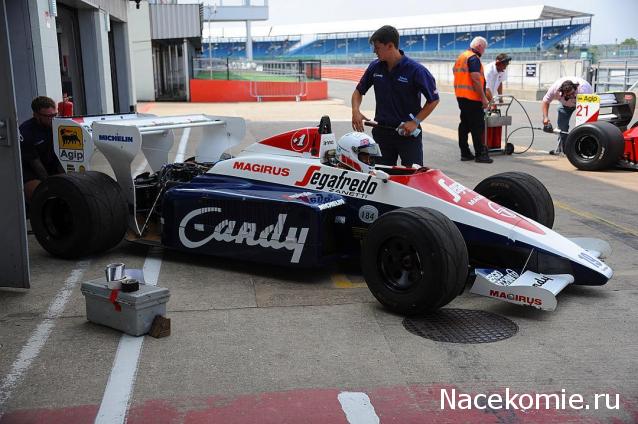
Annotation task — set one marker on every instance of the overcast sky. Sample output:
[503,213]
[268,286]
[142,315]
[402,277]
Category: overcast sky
[613,19]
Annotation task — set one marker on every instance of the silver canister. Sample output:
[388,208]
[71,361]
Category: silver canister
[114,272]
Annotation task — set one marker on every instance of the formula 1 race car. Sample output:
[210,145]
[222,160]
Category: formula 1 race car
[284,200]
[601,138]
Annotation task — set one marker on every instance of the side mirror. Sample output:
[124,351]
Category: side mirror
[381,175]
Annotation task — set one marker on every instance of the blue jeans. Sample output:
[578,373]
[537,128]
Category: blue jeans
[564,113]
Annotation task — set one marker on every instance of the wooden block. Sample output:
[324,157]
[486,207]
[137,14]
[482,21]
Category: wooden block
[161,327]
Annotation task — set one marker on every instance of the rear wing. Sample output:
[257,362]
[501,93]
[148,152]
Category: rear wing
[616,108]
[120,141]
[73,139]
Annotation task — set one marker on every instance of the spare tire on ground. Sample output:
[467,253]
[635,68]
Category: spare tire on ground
[414,260]
[595,146]
[521,193]
[78,214]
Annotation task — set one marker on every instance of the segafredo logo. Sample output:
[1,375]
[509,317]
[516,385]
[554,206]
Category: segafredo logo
[116,137]
[532,301]
[503,211]
[224,231]
[262,169]
[455,189]
[347,183]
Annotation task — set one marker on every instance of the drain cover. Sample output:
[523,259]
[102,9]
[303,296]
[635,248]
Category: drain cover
[461,326]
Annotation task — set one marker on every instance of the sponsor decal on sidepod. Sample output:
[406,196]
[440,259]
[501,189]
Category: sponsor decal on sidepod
[247,233]
[262,169]
[347,183]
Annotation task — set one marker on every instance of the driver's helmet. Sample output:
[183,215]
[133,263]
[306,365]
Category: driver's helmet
[358,151]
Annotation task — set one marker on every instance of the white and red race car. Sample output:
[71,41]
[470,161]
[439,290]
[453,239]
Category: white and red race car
[418,233]
[602,137]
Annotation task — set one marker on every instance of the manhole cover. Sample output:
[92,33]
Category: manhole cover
[461,326]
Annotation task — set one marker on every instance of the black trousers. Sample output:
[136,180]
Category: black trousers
[472,121]
[393,146]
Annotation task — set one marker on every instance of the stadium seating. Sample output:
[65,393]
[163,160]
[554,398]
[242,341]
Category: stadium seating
[506,39]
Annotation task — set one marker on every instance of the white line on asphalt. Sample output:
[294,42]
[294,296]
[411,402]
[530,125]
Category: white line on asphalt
[39,337]
[117,395]
[183,143]
[358,408]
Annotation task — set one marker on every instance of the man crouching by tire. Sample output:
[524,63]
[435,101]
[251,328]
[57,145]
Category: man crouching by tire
[36,146]
[565,91]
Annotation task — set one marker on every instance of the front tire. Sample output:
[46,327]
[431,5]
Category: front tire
[521,193]
[78,214]
[414,260]
[595,146]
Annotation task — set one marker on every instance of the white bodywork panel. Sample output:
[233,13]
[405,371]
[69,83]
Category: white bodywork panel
[73,139]
[121,141]
[530,288]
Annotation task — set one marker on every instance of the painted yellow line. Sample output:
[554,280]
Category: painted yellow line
[341,281]
[591,216]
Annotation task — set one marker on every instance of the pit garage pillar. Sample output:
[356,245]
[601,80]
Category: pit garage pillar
[125,83]
[249,42]
[94,26]
[45,52]
[185,57]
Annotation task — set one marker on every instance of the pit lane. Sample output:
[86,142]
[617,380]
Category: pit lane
[253,343]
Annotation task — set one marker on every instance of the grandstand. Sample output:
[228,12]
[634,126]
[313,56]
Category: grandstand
[521,31]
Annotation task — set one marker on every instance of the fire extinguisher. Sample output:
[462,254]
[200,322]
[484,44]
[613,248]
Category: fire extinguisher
[65,107]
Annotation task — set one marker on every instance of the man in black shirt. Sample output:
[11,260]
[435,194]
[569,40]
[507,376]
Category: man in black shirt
[36,146]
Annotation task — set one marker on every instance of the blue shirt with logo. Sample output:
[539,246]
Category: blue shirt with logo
[398,92]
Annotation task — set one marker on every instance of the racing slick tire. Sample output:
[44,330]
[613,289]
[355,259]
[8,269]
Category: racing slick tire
[521,193]
[414,260]
[595,146]
[78,214]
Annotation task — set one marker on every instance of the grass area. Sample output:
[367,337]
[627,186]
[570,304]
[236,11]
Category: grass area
[244,76]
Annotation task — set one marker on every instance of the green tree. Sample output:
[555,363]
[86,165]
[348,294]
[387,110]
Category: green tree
[630,42]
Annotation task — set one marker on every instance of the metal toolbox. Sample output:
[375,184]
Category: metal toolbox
[131,313]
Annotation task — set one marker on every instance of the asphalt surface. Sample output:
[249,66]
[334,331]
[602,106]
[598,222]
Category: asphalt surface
[252,343]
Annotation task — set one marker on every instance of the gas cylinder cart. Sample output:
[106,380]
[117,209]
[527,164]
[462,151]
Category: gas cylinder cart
[495,121]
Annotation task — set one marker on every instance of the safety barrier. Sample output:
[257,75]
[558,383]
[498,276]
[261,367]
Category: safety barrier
[240,91]
[350,74]
[278,89]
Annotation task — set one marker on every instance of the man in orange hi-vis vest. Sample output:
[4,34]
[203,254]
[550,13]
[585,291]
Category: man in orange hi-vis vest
[469,88]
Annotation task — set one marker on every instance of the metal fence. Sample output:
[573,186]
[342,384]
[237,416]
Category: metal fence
[284,71]
[615,75]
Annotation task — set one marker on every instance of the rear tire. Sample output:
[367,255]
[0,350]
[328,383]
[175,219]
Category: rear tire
[75,215]
[414,260]
[521,193]
[595,146]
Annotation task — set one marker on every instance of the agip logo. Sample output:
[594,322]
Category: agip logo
[70,138]
[71,144]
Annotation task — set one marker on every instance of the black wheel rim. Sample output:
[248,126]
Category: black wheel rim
[586,147]
[57,218]
[401,266]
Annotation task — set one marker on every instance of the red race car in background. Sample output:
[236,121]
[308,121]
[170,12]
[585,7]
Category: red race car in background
[603,137]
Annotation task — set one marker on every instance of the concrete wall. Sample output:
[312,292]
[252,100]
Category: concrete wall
[139,30]
[517,84]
